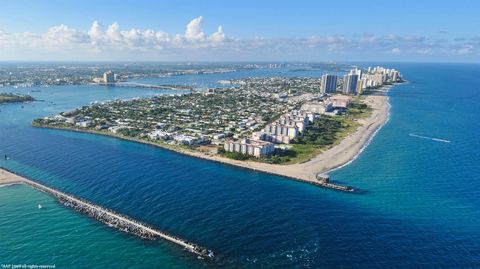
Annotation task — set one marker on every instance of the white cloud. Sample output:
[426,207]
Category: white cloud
[219,35]
[467,49]
[424,51]
[395,50]
[194,30]
[95,33]
[114,43]
[63,35]
[113,33]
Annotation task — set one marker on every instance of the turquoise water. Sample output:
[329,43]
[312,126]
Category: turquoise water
[420,204]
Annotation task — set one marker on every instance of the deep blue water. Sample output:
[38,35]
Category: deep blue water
[420,206]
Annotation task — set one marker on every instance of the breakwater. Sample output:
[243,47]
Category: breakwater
[114,219]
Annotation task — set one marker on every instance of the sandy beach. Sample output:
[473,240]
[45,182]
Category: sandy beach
[7,178]
[332,158]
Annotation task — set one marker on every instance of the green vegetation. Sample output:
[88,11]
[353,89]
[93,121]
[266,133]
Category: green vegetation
[322,134]
[14,98]
[357,109]
[237,156]
[130,132]
[325,132]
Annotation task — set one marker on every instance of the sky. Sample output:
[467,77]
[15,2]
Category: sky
[242,30]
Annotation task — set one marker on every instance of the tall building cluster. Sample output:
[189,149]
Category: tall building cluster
[378,76]
[291,125]
[328,83]
[357,80]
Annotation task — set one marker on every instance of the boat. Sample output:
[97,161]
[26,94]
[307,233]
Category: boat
[39,206]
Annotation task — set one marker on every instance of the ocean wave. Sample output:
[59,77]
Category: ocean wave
[8,184]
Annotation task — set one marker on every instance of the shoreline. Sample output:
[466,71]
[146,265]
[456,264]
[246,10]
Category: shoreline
[208,157]
[370,139]
[8,178]
[331,159]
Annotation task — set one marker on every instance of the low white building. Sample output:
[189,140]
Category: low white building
[159,134]
[187,140]
[84,124]
[114,129]
[249,147]
[218,136]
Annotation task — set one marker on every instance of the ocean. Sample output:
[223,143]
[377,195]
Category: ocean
[419,207]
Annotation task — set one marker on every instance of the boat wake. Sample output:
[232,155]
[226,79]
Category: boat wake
[430,138]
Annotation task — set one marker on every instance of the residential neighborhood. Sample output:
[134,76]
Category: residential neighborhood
[252,117]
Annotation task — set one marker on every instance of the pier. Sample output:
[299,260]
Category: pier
[107,216]
[324,181]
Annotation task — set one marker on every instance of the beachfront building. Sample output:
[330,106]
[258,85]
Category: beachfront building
[277,139]
[376,79]
[378,76]
[370,78]
[359,86]
[350,84]
[159,135]
[249,147]
[357,72]
[281,129]
[328,83]
[285,128]
[186,140]
[84,123]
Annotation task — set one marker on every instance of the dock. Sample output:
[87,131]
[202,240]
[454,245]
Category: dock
[104,215]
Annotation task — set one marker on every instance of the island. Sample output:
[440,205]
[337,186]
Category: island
[299,128]
[14,98]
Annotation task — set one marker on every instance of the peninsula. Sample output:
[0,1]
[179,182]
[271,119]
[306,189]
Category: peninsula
[14,98]
[299,128]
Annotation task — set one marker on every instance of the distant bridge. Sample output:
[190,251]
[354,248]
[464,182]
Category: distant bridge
[150,86]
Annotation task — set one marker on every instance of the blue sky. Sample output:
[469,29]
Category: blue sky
[250,30]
